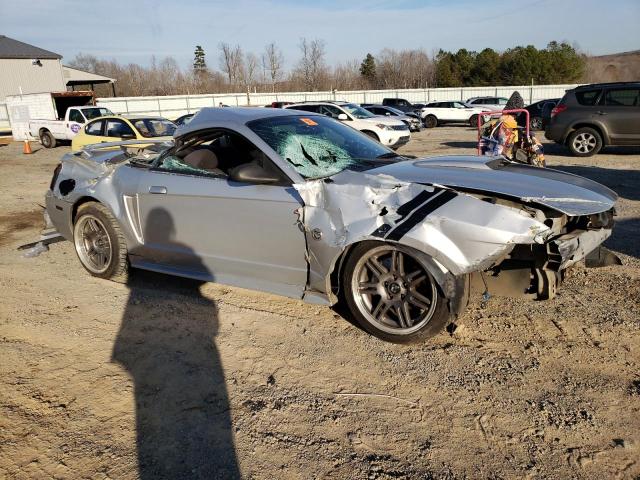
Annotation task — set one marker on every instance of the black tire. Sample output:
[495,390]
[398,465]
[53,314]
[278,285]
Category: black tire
[431,121]
[585,142]
[117,266]
[47,140]
[536,123]
[429,321]
[473,121]
[371,134]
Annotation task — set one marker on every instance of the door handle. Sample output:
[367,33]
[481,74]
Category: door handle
[157,189]
[601,113]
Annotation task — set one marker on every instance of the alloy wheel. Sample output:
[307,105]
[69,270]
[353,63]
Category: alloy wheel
[584,142]
[93,244]
[393,290]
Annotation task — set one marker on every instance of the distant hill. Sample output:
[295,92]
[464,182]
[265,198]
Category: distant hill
[616,67]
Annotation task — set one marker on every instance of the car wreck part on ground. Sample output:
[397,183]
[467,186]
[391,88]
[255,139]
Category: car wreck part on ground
[48,236]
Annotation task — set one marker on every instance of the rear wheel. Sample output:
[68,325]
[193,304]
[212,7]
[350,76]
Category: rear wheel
[47,140]
[392,295]
[431,121]
[536,123]
[585,142]
[99,242]
[473,121]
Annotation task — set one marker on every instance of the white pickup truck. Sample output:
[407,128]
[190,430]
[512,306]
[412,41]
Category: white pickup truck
[50,131]
[51,116]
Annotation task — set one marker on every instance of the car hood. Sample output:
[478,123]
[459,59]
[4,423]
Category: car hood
[561,191]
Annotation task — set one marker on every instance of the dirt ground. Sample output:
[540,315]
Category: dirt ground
[165,378]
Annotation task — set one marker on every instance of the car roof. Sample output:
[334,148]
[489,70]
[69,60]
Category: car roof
[608,84]
[133,117]
[212,117]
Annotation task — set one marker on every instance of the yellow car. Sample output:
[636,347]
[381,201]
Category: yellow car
[116,128]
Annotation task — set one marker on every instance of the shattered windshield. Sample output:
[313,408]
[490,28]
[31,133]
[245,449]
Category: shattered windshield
[319,146]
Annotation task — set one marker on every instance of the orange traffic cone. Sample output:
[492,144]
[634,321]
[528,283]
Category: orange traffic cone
[27,148]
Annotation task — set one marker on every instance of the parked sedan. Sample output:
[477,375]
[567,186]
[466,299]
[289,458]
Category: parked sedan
[540,112]
[184,119]
[302,205]
[112,129]
[412,120]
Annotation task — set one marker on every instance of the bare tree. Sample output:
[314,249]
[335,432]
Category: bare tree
[250,69]
[312,65]
[346,76]
[231,62]
[272,61]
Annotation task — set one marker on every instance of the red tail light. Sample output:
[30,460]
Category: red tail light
[557,110]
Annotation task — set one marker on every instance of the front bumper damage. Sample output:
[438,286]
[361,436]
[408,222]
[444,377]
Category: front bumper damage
[513,246]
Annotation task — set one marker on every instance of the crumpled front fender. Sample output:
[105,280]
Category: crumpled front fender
[459,232]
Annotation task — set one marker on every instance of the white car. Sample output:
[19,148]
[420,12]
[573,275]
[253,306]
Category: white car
[437,113]
[388,131]
[490,103]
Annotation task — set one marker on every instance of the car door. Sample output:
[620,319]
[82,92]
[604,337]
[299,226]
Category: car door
[213,228]
[75,122]
[94,133]
[460,112]
[117,130]
[447,112]
[619,110]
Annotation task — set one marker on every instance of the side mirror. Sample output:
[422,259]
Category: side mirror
[388,114]
[254,173]
[128,136]
[342,117]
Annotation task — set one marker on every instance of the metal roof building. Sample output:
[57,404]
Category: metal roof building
[26,68]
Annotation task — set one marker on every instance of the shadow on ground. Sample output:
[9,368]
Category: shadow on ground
[455,144]
[556,149]
[626,233]
[626,183]
[167,344]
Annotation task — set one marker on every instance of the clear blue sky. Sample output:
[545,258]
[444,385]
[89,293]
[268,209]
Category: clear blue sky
[134,30]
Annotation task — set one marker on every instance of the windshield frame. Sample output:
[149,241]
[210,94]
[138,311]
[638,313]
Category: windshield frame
[134,123]
[84,111]
[352,108]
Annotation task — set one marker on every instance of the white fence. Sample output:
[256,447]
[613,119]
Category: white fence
[173,106]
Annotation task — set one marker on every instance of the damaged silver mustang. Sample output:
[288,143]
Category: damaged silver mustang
[304,206]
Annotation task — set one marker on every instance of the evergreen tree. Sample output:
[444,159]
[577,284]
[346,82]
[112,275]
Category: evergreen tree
[368,68]
[447,71]
[199,63]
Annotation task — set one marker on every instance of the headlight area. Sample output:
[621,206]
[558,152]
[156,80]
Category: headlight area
[382,126]
[536,270]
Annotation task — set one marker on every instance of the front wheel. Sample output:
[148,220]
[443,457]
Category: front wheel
[371,134]
[392,295]
[585,142]
[99,242]
[473,121]
[431,121]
